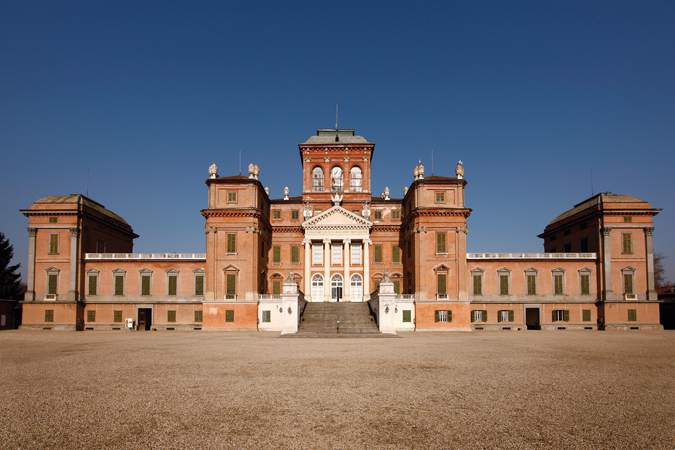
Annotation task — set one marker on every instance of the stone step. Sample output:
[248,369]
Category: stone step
[321,318]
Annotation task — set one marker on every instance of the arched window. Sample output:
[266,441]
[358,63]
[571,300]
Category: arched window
[317,288]
[317,179]
[336,179]
[355,179]
[356,288]
[336,287]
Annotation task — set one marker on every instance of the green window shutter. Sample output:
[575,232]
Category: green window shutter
[229,315]
[627,243]
[511,318]
[407,316]
[295,214]
[442,281]
[52,281]
[231,243]
[231,284]
[295,254]
[199,316]
[276,287]
[484,315]
[449,316]
[531,285]
[397,287]
[566,315]
[436,316]
[558,284]
[499,316]
[145,285]
[632,315]
[91,316]
[555,316]
[396,254]
[117,316]
[49,315]
[276,252]
[173,285]
[587,315]
[477,285]
[628,283]
[119,285]
[473,315]
[378,254]
[503,285]
[171,316]
[440,243]
[585,284]
[199,285]
[92,284]
[53,244]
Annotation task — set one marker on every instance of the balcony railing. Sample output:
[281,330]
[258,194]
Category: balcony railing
[531,256]
[269,297]
[146,256]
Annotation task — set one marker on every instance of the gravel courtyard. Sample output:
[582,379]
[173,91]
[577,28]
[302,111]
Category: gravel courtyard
[250,390]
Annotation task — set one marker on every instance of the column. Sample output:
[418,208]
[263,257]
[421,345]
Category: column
[326,270]
[72,286]
[30,282]
[366,270]
[607,262]
[346,286]
[649,241]
[308,268]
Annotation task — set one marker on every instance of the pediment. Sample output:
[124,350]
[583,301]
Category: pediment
[336,216]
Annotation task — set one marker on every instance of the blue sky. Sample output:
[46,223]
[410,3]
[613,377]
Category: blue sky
[146,95]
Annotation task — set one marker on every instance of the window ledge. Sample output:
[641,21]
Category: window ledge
[444,254]
[231,254]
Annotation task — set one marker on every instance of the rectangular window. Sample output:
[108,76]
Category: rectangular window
[586,314]
[119,285]
[93,279]
[632,315]
[356,254]
[567,248]
[442,316]
[627,243]
[53,244]
[377,215]
[295,214]
[558,281]
[407,316]
[441,280]
[171,316]
[561,315]
[267,316]
[397,287]
[627,219]
[199,285]
[276,287]
[378,253]
[477,285]
[276,254]
[317,254]
[440,197]
[396,254]
[117,316]
[199,316]
[505,315]
[337,254]
[231,243]
[53,219]
[232,197]
[440,243]
[479,315]
[276,214]
[583,245]
[503,285]
[231,283]
[173,284]
[49,315]
[531,285]
[52,283]
[229,315]
[585,284]
[295,254]
[396,215]
[145,285]
[91,316]
[628,283]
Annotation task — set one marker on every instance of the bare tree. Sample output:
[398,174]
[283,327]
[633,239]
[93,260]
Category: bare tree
[660,278]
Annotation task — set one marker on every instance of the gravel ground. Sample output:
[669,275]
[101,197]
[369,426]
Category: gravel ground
[242,390]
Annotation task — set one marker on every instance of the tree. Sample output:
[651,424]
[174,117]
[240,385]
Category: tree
[660,279]
[10,284]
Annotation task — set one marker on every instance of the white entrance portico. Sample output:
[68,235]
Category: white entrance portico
[336,256]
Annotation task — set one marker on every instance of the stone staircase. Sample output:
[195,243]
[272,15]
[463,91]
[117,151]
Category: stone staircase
[320,318]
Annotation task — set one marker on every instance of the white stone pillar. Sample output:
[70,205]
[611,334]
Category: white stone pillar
[72,285]
[326,270]
[346,285]
[308,269]
[30,282]
[366,270]
[649,245]
[607,264]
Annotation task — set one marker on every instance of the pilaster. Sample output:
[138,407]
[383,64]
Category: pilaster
[649,245]
[30,282]
[72,281]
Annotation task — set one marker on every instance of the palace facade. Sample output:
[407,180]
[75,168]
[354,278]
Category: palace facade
[265,258]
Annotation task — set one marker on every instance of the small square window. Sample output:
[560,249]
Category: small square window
[91,316]
[632,315]
[276,215]
[267,316]
[53,219]
[199,316]
[171,316]
[377,215]
[586,313]
[396,215]
[407,315]
[232,197]
[561,315]
[627,219]
[440,197]
[443,316]
[295,214]
[117,316]
[49,315]
[229,315]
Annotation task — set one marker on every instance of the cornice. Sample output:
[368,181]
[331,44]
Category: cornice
[230,213]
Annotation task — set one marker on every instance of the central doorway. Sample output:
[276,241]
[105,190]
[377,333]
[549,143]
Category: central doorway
[336,288]
[144,319]
[532,319]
